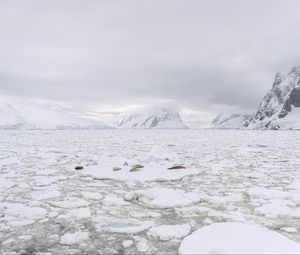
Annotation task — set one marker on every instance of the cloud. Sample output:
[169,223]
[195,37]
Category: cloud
[206,56]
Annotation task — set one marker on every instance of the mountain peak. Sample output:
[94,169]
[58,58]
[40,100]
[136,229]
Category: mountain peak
[279,109]
[151,118]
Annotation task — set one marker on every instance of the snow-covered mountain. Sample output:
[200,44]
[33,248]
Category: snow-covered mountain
[279,109]
[233,121]
[40,115]
[151,118]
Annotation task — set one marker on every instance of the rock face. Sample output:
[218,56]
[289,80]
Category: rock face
[151,118]
[37,115]
[234,121]
[279,109]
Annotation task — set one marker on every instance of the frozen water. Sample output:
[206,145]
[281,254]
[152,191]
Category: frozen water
[237,238]
[168,232]
[46,206]
[166,198]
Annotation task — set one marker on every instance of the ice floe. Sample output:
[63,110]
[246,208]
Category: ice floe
[74,238]
[150,170]
[166,198]
[169,232]
[237,238]
[23,212]
[125,226]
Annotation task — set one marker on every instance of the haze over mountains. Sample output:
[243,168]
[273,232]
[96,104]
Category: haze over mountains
[279,109]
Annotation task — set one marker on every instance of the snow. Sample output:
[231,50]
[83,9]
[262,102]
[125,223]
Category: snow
[234,121]
[92,195]
[45,194]
[125,226]
[291,121]
[151,172]
[111,200]
[166,198]
[169,232]
[156,117]
[70,202]
[74,238]
[20,211]
[74,214]
[142,246]
[237,238]
[279,109]
[127,243]
[242,176]
[5,183]
[44,115]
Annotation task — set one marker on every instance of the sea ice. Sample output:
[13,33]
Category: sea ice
[23,212]
[166,198]
[237,238]
[74,238]
[125,226]
[152,171]
[169,232]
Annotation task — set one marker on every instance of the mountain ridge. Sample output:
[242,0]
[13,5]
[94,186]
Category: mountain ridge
[279,108]
[151,118]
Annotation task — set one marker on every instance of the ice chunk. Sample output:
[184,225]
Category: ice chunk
[142,246]
[45,194]
[70,203]
[151,172]
[166,198]
[74,238]
[125,226]
[169,232]
[75,214]
[127,243]
[5,183]
[112,199]
[237,238]
[24,212]
[92,195]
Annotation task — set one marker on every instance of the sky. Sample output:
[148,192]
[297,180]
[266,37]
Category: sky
[106,56]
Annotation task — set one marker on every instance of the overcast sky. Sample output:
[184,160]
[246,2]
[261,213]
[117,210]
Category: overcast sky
[207,57]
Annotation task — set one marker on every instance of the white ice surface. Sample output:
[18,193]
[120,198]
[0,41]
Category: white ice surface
[166,198]
[242,176]
[169,232]
[150,172]
[74,238]
[237,238]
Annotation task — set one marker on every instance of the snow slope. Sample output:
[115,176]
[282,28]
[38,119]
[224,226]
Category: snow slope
[10,118]
[151,118]
[37,115]
[234,121]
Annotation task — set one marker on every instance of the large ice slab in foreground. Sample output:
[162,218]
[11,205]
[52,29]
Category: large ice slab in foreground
[237,238]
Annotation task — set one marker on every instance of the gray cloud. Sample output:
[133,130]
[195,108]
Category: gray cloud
[207,56]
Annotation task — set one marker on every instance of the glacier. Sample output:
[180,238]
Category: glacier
[42,115]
